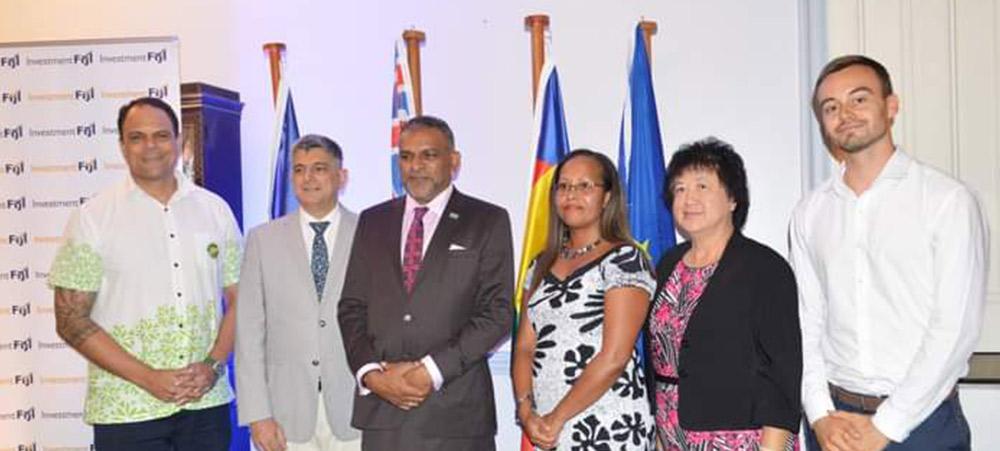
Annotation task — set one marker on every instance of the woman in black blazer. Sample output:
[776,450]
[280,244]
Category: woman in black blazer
[723,331]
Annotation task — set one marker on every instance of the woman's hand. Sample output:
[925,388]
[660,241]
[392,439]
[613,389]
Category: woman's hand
[537,431]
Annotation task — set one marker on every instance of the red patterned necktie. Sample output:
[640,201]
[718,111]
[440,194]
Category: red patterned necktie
[413,252]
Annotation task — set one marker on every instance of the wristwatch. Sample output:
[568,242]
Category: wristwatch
[217,366]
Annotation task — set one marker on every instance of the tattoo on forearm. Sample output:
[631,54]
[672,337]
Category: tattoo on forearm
[72,309]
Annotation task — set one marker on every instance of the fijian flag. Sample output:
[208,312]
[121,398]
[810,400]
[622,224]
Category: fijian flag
[402,111]
[286,133]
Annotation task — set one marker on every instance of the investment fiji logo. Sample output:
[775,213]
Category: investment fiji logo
[10,61]
[159,56]
[83,59]
[18,274]
[14,133]
[18,239]
[25,415]
[11,97]
[84,95]
[22,310]
[88,166]
[14,168]
[158,92]
[14,203]
[88,130]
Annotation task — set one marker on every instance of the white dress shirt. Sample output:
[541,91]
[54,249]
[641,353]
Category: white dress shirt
[892,288]
[435,209]
[308,234]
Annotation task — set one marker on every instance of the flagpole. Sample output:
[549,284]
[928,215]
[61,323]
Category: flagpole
[275,54]
[537,24]
[413,40]
[648,30]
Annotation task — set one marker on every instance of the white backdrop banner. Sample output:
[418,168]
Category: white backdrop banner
[58,146]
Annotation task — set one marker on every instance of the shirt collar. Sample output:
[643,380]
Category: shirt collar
[435,206]
[184,187]
[895,169]
[305,218]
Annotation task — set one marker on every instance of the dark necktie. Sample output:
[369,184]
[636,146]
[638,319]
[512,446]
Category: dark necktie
[413,252]
[320,260]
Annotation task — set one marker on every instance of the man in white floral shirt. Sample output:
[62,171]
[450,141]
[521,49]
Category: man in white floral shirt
[137,292]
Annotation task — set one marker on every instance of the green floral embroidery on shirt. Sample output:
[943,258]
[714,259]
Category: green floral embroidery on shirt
[77,267]
[231,263]
[173,338]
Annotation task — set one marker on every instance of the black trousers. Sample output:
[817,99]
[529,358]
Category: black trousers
[187,430]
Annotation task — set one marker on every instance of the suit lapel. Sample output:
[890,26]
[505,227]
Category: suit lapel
[394,230]
[338,256]
[299,259]
[437,251]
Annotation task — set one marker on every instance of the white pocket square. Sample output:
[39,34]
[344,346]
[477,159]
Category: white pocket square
[456,247]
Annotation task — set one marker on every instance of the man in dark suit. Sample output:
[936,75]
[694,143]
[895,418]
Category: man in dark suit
[426,297]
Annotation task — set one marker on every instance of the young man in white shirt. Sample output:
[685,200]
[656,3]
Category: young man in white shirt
[891,261]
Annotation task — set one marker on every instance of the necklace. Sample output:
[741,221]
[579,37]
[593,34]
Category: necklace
[568,254]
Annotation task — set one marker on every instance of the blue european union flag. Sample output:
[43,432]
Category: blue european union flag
[640,159]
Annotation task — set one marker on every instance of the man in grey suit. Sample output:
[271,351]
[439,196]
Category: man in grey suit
[293,383]
[426,297]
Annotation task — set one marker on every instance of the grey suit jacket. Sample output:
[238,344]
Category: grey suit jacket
[286,341]
[460,309]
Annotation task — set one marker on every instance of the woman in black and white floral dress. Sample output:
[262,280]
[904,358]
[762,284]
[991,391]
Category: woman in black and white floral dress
[577,378]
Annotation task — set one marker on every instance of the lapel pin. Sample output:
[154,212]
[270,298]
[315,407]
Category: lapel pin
[452,215]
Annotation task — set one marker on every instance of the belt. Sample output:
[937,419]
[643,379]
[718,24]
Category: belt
[666,379]
[866,403]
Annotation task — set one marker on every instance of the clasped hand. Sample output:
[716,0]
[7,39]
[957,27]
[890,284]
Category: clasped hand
[404,384]
[543,431]
[183,385]
[846,431]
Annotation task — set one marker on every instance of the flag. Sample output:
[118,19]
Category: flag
[551,146]
[640,159]
[402,111]
[286,132]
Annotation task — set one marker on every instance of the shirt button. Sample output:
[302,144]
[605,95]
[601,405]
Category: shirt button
[322,323]
[173,236]
[407,318]
[315,362]
[178,294]
[180,326]
[166,209]
[177,265]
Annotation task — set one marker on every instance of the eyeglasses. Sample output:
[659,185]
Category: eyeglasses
[584,187]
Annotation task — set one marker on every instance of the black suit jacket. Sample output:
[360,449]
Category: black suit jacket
[740,363]
[460,309]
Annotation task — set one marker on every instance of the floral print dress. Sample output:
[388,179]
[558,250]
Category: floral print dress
[672,308]
[568,316]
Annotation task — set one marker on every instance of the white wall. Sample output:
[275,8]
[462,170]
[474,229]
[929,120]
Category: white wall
[725,68]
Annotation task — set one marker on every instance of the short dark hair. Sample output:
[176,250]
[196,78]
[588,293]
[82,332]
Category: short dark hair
[436,123]
[319,141]
[150,102]
[716,155]
[843,62]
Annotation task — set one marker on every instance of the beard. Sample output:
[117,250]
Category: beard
[857,141]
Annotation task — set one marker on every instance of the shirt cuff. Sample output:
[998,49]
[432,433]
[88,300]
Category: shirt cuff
[360,377]
[817,406]
[891,422]
[434,371]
